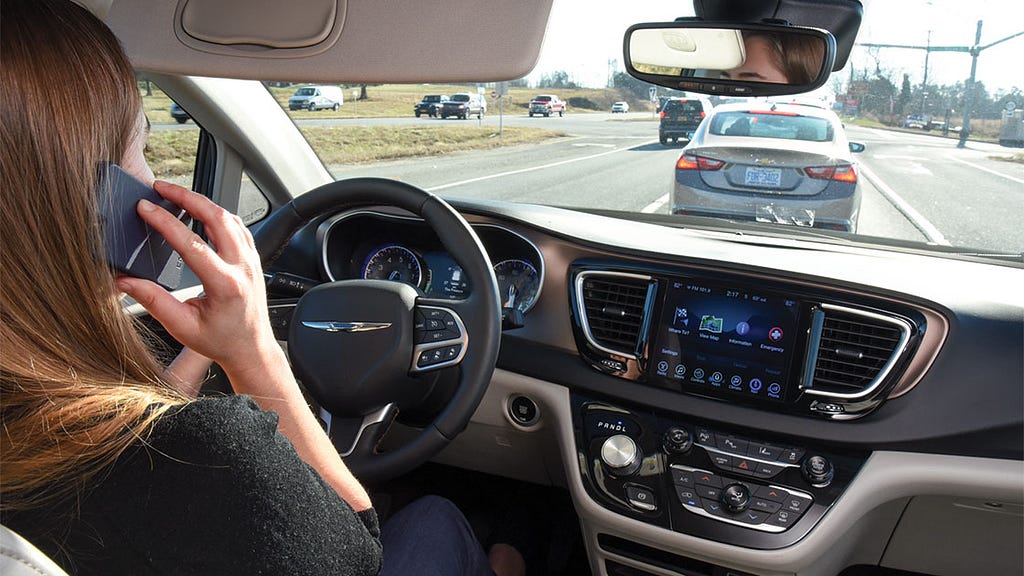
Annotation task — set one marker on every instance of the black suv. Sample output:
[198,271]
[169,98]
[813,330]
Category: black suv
[680,117]
[464,105]
[430,105]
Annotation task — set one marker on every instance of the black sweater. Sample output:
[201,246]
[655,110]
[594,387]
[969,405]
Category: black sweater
[215,490]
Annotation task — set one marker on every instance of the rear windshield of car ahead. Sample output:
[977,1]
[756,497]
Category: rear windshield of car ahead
[687,106]
[772,125]
[460,98]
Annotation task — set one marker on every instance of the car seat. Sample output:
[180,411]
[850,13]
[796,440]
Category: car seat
[740,127]
[18,557]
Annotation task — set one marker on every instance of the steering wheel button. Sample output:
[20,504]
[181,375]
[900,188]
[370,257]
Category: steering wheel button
[434,324]
[452,352]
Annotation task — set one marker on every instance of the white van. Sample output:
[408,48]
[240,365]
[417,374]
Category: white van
[314,98]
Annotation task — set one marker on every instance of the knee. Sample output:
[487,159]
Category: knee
[435,508]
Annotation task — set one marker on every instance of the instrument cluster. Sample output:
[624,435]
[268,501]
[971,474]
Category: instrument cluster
[378,246]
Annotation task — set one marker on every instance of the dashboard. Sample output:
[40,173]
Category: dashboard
[710,400]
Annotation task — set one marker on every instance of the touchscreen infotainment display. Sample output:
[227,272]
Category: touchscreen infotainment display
[725,340]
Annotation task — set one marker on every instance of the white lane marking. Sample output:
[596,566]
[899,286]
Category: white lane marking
[595,144]
[915,217]
[899,157]
[983,169]
[881,134]
[534,168]
[654,206]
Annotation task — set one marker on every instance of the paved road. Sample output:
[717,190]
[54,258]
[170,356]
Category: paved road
[915,187]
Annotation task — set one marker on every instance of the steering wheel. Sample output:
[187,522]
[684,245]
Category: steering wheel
[361,347]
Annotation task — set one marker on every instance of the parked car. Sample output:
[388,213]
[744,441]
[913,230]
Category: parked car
[680,117]
[179,114]
[430,105]
[620,107]
[546,105]
[464,105]
[919,121]
[778,163]
[315,98]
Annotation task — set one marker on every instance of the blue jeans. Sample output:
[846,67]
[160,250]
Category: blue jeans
[431,537]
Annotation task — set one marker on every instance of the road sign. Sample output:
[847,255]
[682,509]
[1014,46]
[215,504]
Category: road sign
[653,92]
[494,93]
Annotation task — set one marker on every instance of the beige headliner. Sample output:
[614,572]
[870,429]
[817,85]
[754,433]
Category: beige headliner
[404,41]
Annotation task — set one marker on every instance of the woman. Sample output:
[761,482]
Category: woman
[779,58]
[108,463]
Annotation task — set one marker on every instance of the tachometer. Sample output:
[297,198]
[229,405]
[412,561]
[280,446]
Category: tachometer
[518,283]
[396,263]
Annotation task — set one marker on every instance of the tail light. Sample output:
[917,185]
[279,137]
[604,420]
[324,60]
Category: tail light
[662,115]
[703,114]
[691,162]
[840,173]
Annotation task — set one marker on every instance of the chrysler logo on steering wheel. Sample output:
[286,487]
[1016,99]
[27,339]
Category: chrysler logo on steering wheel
[347,326]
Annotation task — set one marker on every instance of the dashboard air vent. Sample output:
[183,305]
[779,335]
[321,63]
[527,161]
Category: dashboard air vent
[612,307]
[856,350]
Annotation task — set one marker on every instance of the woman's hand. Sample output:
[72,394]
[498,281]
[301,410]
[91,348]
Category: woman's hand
[229,322]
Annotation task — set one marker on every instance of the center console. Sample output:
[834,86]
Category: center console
[704,480]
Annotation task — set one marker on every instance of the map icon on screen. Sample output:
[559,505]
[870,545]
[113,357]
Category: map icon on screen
[711,323]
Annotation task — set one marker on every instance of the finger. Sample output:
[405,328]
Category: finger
[200,257]
[176,317]
[219,225]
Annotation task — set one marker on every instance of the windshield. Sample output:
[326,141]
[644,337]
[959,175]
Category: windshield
[305,92]
[902,94]
[787,126]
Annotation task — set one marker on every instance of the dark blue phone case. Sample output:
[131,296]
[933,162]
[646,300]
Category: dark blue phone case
[130,245]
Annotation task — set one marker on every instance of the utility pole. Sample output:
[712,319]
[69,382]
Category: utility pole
[924,83]
[965,128]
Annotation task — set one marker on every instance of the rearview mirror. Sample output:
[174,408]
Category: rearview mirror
[728,58]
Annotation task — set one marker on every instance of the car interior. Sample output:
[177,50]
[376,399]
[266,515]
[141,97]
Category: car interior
[580,363]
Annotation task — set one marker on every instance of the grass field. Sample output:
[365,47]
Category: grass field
[171,152]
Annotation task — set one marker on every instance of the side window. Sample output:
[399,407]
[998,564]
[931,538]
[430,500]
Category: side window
[173,145]
[173,136]
[252,204]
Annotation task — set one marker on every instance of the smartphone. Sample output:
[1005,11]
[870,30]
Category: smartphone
[130,245]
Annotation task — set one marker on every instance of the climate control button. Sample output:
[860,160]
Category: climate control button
[736,497]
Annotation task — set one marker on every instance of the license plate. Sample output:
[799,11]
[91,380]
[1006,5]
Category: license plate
[763,177]
[681,118]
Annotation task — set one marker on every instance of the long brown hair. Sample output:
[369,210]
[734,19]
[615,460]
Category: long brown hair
[78,383]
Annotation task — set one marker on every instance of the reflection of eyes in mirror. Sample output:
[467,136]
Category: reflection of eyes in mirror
[778,58]
[783,57]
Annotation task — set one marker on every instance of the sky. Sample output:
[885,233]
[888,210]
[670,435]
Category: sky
[584,38]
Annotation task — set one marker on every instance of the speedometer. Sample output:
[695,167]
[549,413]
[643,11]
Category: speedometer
[396,263]
[518,283]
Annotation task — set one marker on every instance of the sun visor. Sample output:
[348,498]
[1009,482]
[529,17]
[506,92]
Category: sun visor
[278,29]
[332,41]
